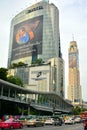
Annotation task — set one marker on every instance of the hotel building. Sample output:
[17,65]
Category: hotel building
[74,88]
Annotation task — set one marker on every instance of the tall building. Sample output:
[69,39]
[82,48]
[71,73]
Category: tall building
[74,88]
[35,34]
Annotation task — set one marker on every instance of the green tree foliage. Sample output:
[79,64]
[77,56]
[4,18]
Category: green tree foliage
[84,109]
[14,65]
[37,62]
[15,80]
[77,110]
[3,73]
[19,64]
[12,79]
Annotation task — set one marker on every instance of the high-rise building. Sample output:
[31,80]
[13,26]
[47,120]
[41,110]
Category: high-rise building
[35,34]
[74,88]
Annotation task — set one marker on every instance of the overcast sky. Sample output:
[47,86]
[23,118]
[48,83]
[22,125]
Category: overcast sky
[73,21]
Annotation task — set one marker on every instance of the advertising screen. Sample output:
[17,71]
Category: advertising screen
[26,35]
[73,60]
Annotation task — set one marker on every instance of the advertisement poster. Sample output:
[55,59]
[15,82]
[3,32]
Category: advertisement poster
[73,60]
[26,35]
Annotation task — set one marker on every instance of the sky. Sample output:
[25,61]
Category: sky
[72,23]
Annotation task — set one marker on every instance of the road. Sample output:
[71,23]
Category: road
[63,127]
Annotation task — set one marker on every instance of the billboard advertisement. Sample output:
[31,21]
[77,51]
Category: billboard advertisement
[73,60]
[39,78]
[27,38]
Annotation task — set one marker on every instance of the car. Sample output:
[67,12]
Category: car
[11,124]
[85,124]
[49,121]
[69,121]
[57,121]
[77,120]
[34,122]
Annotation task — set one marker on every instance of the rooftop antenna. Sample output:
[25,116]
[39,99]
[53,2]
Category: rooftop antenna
[73,37]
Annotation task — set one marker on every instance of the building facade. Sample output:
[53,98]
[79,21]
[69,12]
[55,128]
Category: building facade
[74,87]
[45,78]
[35,34]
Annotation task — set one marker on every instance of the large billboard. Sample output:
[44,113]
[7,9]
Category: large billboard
[73,60]
[27,36]
[39,78]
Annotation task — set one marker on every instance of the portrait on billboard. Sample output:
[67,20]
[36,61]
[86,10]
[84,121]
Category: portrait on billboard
[26,35]
[72,61]
[22,36]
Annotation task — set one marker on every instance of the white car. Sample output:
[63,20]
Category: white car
[49,121]
[77,120]
[69,121]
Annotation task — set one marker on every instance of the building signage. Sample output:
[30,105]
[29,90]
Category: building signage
[34,9]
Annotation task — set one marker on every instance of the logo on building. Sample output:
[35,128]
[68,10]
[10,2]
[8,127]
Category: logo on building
[34,9]
[39,74]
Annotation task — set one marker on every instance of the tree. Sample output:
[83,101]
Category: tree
[3,73]
[15,80]
[77,110]
[37,62]
[14,65]
[19,64]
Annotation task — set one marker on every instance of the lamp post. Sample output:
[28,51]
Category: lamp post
[53,110]
[28,106]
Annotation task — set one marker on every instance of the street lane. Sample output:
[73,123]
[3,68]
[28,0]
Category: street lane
[51,127]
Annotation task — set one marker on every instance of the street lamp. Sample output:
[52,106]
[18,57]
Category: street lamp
[28,106]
